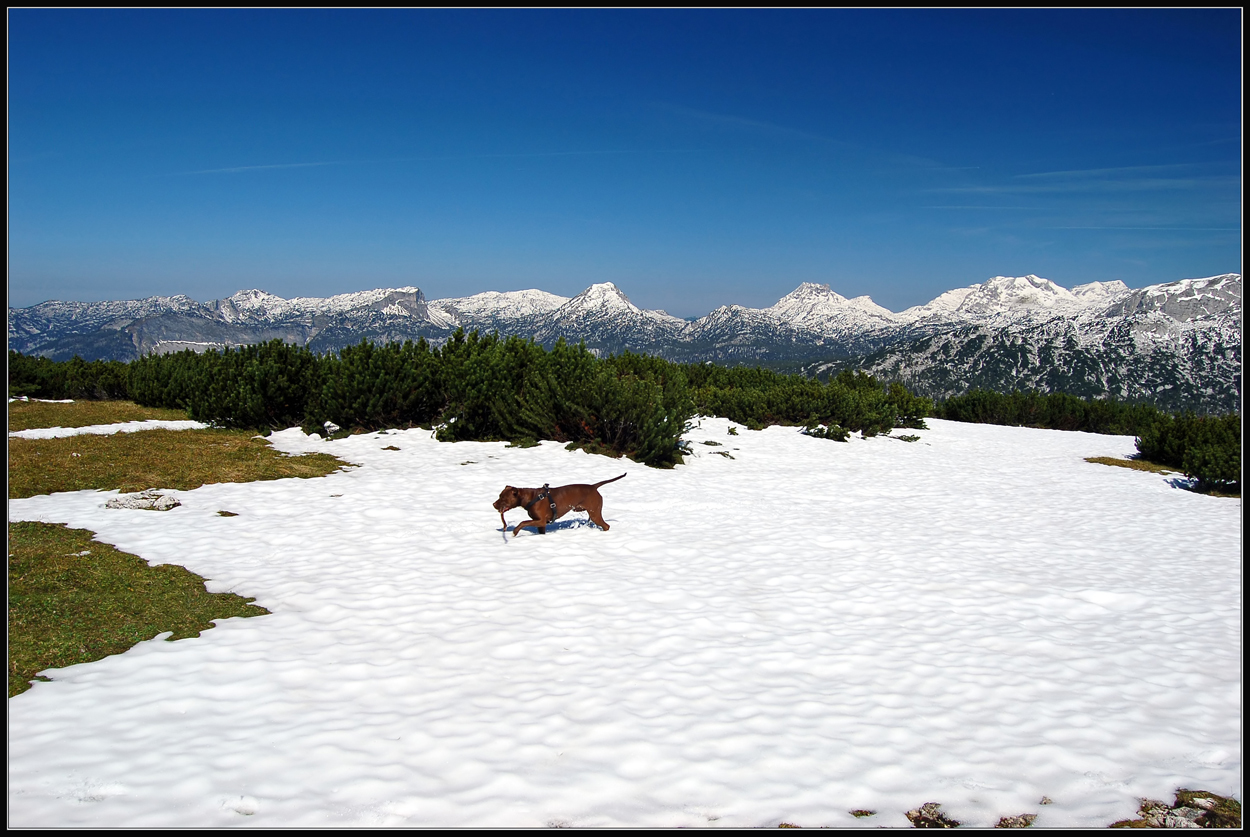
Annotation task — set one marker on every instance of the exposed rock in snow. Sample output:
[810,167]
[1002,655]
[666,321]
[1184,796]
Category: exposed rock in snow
[152,500]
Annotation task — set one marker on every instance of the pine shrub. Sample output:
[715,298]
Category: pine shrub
[39,377]
[1205,448]
[1056,411]
[483,387]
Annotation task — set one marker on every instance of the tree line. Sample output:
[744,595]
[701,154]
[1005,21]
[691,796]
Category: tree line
[474,387]
[487,387]
[1205,448]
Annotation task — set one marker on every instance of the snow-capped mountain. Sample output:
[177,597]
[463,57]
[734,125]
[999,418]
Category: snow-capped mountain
[1177,343]
[605,318]
[811,318]
[1188,299]
[1007,299]
[817,308]
[508,312]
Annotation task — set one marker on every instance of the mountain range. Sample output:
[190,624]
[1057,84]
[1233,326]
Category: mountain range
[1177,345]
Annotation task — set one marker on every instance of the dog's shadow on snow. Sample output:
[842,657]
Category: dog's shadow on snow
[553,528]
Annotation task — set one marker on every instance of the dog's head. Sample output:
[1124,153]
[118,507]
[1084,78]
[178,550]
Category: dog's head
[509,498]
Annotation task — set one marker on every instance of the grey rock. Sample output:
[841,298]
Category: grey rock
[152,500]
[931,815]
[1021,821]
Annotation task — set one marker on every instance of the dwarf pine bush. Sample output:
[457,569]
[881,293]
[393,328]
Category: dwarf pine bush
[1205,448]
[39,377]
[478,387]
[1055,410]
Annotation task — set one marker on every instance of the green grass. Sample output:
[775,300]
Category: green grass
[74,600]
[1218,811]
[1135,464]
[26,415]
[177,459]
[1224,813]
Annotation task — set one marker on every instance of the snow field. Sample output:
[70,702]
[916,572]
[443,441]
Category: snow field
[105,429]
[979,619]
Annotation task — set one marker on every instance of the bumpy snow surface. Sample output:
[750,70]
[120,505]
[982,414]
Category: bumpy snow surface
[105,429]
[979,618]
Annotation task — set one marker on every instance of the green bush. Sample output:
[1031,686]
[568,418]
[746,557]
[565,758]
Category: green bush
[484,388]
[1205,448]
[758,398]
[39,377]
[375,387]
[1056,411]
[833,431]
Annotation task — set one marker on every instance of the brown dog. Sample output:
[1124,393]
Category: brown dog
[545,505]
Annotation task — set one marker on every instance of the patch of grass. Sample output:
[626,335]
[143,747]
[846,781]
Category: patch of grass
[860,813]
[1135,464]
[177,459]
[26,415]
[74,600]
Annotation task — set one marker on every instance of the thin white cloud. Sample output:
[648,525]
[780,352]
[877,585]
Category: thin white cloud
[435,157]
[505,155]
[1091,184]
[980,206]
[1106,172]
[748,124]
[236,169]
[1174,229]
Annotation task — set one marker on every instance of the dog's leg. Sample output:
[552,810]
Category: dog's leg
[594,508]
[539,524]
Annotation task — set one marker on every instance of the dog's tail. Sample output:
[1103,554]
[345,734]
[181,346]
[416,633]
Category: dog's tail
[605,482]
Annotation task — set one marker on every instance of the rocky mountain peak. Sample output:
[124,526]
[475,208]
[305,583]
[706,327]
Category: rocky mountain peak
[1016,294]
[1189,329]
[1183,300]
[601,295]
[1100,292]
[252,299]
[818,308]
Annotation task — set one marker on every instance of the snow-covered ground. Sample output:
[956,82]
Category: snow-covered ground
[105,429]
[979,619]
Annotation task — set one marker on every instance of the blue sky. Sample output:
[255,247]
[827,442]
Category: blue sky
[694,158]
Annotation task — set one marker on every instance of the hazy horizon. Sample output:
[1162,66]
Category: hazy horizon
[693,158]
[522,290]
